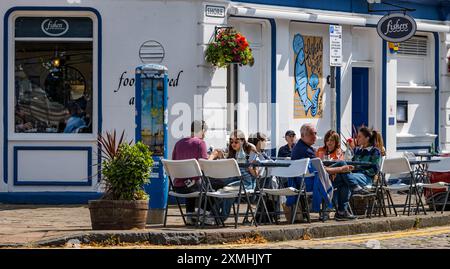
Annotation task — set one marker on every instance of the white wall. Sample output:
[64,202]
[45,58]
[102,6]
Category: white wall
[126,25]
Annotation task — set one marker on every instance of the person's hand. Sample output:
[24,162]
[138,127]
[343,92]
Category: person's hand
[216,154]
[347,168]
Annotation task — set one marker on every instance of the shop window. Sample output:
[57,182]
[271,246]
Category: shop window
[53,75]
[402,111]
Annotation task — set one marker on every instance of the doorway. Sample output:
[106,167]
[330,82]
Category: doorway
[360,97]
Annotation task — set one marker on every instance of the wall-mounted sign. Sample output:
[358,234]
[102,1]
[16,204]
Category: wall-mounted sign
[215,11]
[396,27]
[55,27]
[335,45]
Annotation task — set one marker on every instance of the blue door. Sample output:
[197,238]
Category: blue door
[360,97]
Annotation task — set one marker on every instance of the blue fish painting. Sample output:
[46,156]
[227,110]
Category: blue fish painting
[301,72]
[308,72]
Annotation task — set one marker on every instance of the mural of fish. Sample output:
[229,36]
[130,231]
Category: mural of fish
[301,72]
[314,83]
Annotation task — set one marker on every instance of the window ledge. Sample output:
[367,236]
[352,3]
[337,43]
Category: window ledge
[53,138]
[424,138]
[416,88]
[368,64]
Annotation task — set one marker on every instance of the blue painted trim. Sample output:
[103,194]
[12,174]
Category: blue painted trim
[166,119]
[436,93]
[384,93]
[273,76]
[5,73]
[423,11]
[338,100]
[273,85]
[17,182]
[55,198]
[137,102]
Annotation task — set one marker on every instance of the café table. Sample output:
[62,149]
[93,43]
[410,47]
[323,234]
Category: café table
[426,155]
[263,178]
[354,163]
[421,169]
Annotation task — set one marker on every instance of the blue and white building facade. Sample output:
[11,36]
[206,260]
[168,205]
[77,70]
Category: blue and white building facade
[95,46]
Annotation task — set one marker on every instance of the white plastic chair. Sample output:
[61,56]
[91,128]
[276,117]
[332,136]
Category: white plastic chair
[298,168]
[182,169]
[410,155]
[442,166]
[325,180]
[401,166]
[221,170]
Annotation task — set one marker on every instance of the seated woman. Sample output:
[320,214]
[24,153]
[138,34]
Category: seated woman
[332,148]
[259,141]
[366,152]
[349,181]
[238,146]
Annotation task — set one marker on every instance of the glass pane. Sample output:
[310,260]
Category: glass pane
[152,115]
[53,87]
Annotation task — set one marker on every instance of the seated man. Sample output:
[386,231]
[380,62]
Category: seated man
[286,150]
[193,147]
[304,149]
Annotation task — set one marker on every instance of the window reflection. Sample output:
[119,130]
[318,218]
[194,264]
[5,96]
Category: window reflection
[53,87]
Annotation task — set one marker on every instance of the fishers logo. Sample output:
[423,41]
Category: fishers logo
[55,27]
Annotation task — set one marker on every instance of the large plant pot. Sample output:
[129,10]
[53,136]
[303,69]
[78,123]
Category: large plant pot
[118,214]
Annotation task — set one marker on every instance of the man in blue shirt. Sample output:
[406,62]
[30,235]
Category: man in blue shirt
[286,150]
[304,149]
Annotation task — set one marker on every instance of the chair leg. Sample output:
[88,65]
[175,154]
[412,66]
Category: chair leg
[308,217]
[445,202]
[181,210]
[432,199]
[294,214]
[419,202]
[236,215]
[250,208]
[165,214]
[199,205]
[406,203]
[388,193]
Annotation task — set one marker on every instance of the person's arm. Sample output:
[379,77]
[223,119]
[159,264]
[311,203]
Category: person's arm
[253,158]
[203,151]
[339,170]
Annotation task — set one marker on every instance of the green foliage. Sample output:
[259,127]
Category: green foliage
[229,47]
[127,171]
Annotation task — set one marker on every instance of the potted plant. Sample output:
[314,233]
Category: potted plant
[125,171]
[228,47]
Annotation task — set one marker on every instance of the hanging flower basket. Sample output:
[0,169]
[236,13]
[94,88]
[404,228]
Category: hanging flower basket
[229,47]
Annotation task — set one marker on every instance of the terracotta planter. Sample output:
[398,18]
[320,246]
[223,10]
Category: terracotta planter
[118,214]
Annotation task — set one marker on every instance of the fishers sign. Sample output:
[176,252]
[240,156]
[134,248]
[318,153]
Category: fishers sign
[396,27]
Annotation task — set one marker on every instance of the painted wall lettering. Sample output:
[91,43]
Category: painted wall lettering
[127,80]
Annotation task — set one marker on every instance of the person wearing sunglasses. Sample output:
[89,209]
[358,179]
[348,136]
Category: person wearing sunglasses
[237,143]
